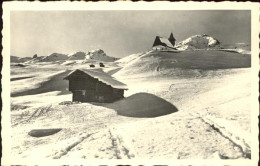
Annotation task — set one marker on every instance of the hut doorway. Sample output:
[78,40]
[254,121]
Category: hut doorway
[78,96]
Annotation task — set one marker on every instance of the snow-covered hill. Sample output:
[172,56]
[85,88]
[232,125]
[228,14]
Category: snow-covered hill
[183,64]
[77,56]
[198,42]
[129,58]
[35,60]
[15,59]
[236,46]
[242,48]
[55,57]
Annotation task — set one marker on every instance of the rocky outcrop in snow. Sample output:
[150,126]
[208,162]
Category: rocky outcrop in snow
[198,42]
[35,56]
[99,55]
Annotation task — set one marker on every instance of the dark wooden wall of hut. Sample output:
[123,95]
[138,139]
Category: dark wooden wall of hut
[89,89]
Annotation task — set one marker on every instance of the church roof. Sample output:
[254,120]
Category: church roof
[172,37]
[162,41]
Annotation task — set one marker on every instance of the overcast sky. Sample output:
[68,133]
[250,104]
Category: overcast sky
[119,33]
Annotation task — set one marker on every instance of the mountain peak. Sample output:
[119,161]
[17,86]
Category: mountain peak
[198,42]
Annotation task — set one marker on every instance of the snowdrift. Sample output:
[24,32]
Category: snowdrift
[143,105]
[198,42]
[67,63]
[43,132]
[18,65]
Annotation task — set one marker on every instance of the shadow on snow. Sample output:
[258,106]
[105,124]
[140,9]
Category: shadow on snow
[56,83]
[141,105]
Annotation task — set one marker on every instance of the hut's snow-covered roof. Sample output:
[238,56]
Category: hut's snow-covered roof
[101,76]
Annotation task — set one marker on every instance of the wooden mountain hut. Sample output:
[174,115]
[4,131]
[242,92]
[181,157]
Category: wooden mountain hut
[94,85]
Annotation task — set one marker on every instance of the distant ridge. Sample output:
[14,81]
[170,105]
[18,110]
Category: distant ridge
[97,54]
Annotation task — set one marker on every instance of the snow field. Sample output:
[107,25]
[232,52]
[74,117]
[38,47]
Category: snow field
[177,137]
[210,103]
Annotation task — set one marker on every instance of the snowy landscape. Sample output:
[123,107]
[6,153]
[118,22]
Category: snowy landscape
[189,102]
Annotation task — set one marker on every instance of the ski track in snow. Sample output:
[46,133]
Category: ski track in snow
[237,140]
[147,147]
[122,151]
[67,149]
[115,145]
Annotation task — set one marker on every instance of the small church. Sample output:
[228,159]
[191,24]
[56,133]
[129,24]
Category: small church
[94,85]
[161,43]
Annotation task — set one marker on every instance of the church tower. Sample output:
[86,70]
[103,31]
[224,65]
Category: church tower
[172,39]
